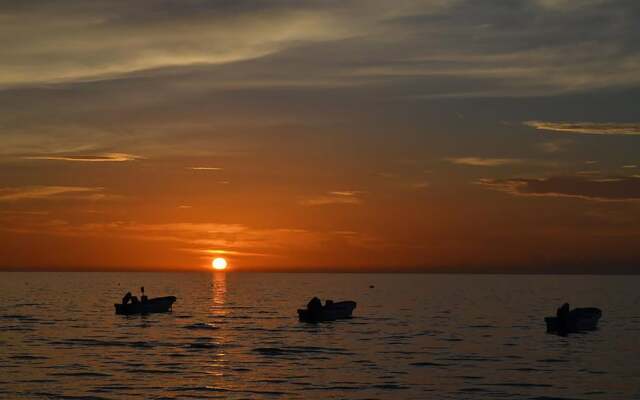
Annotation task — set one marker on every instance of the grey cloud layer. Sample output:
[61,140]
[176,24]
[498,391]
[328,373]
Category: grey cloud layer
[443,48]
[74,41]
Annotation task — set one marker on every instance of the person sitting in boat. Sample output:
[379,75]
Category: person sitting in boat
[129,298]
[314,306]
[563,315]
[563,312]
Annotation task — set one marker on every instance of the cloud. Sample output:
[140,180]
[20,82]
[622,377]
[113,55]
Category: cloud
[530,47]
[590,128]
[50,192]
[484,162]
[597,189]
[204,237]
[554,146]
[420,185]
[346,193]
[106,157]
[221,252]
[72,41]
[205,168]
[335,197]
[590,172]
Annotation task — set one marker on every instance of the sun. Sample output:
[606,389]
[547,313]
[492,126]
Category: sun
[219,264]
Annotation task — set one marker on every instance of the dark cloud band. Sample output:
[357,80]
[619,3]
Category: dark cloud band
[607,189]
[590,128]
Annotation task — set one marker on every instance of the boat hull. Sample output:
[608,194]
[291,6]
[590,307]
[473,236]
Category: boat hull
[157,305]
[339,310]
[578,320]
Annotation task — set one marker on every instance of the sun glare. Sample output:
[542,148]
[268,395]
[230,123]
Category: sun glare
[219,264]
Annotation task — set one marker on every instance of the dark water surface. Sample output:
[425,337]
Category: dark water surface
[236,335]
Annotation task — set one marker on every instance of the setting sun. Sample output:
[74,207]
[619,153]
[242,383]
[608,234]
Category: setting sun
[219,264]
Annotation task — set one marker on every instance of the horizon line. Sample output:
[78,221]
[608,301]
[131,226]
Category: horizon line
[315,271]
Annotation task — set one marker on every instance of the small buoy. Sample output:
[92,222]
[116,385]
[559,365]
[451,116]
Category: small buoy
[371,286]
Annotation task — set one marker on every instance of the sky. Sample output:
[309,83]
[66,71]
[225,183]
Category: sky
[435,136]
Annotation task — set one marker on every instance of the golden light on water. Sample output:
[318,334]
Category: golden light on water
[219,264]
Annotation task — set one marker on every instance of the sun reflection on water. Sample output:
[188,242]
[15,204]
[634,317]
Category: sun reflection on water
[218,311]
[219,286]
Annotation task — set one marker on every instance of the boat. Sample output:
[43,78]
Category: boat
[331,311]
[155,305]
[576,320]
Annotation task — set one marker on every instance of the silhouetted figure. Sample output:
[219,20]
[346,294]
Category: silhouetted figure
[316,312]
[126,299]
[563,317]
[131,305]
[571,321]
[315,306]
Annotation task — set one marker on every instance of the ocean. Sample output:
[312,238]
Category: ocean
[237,336]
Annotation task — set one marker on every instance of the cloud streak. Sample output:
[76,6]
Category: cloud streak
[50,192]
[589,128]
[335,197]
[203,238]
[107,157]
[537,47]
[71,41]
[617,189]
[484,162]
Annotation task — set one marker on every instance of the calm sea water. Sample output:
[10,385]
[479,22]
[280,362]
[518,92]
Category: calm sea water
[236,335]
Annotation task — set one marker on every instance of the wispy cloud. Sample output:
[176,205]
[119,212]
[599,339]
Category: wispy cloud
[346,193]
[589,172]
[203,238]
[106,157]
[554,146]
[414,40]
[24,212]
[598,189]
[589,128]
[50,192]
[227,252]
[335,197]
[484,162]
[420,185]
[205,168]
[96,42]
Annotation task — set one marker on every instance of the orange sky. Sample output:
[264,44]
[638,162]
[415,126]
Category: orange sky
[293,136]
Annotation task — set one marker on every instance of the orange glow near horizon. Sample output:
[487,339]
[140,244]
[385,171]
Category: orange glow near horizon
[293,150]
[219,264]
